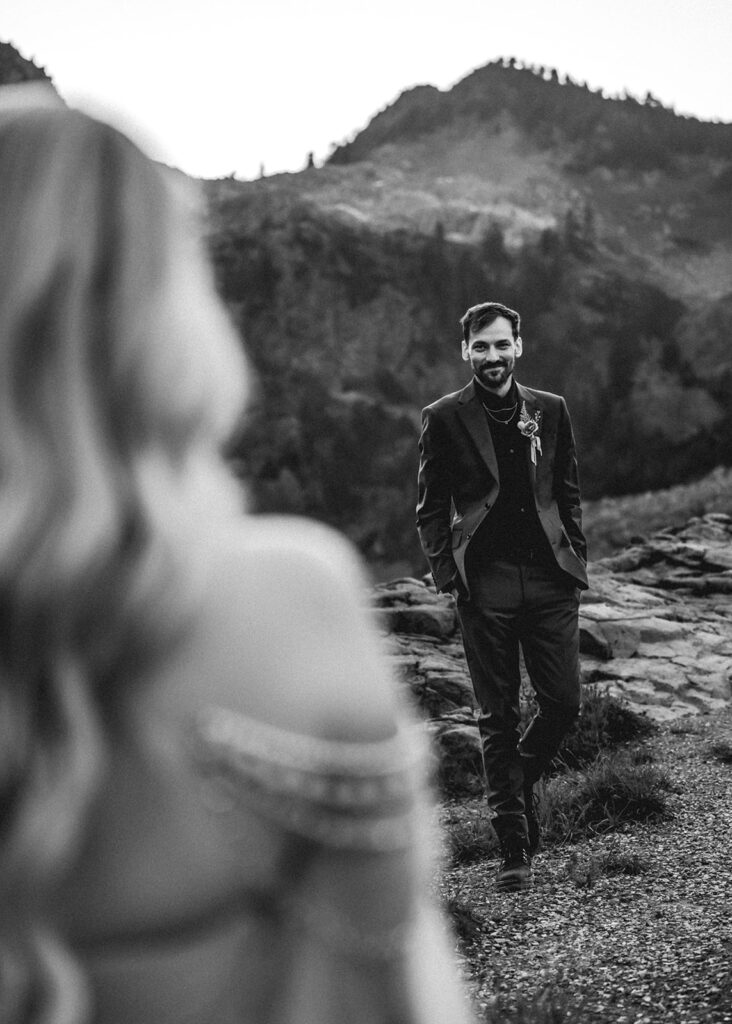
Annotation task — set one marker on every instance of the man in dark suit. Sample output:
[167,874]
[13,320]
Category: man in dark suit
[500,522]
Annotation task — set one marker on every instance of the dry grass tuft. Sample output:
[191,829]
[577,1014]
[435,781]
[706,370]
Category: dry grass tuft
[585,870]
[611,792]
[605,722]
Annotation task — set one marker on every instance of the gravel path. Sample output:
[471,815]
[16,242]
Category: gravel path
[642,948]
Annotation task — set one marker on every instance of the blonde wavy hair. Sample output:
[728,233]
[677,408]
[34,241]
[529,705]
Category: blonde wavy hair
[120,378]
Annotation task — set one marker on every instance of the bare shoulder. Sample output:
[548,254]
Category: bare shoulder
[289,552]
[284,634]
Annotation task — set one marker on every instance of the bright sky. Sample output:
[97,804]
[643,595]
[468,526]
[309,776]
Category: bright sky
[221,86]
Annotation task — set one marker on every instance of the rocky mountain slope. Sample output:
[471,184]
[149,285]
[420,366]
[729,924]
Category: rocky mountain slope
[515,146]
[655,630]
[607,223]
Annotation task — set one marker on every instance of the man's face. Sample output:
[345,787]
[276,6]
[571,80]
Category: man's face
[492,352]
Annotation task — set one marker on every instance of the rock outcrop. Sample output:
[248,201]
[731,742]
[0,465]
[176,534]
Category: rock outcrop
[655,630]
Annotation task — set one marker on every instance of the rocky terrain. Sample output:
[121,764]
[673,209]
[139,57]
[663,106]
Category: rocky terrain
[623,926]
[655,630]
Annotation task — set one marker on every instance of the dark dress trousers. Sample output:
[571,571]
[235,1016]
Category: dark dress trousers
[518,563]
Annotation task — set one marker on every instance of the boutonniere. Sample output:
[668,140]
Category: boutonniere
[529,427]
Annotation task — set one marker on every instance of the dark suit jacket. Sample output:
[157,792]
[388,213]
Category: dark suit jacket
[458,482]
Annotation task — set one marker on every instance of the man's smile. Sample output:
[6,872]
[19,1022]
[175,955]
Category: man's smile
[494,368]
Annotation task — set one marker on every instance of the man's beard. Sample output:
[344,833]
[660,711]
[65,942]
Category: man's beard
[495,379]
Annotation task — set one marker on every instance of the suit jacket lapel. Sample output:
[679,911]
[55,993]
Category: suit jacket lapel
[473,416]
[526,396]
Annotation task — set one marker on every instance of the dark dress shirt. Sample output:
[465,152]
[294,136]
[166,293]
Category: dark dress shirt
[511,531]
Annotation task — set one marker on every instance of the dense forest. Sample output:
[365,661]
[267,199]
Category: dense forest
[351,332]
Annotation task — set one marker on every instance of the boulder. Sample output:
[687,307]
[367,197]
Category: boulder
[608,639]
[432,619]
[655,630]
[460,761]
[412,606]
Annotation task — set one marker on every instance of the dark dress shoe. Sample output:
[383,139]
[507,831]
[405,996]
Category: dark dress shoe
[514,874]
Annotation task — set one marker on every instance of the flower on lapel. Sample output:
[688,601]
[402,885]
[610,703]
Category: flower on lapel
[529,427]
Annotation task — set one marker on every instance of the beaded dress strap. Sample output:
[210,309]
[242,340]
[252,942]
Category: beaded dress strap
[342,794]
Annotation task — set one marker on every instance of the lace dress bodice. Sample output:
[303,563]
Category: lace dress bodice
[323,795]
[345,795]
[339,927]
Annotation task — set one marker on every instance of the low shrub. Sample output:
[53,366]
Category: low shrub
[605,722]
[617,862]
[604,796]
[586,870]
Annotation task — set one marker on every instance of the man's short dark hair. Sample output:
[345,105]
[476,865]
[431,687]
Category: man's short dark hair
[480,316]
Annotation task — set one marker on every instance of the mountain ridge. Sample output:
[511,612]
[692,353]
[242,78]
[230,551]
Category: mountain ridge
[507,147]
[552,111]
[15,68]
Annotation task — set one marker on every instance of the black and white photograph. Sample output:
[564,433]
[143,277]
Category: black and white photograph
[366,512]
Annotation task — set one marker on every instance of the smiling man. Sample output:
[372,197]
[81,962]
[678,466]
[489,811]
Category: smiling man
[500,522]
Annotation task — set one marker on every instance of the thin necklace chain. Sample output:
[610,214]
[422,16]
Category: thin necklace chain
[510,409]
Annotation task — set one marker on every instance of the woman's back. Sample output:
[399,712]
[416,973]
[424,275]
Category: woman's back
[206,845]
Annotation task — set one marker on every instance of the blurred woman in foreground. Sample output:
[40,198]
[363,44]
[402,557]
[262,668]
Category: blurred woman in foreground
[210,799]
